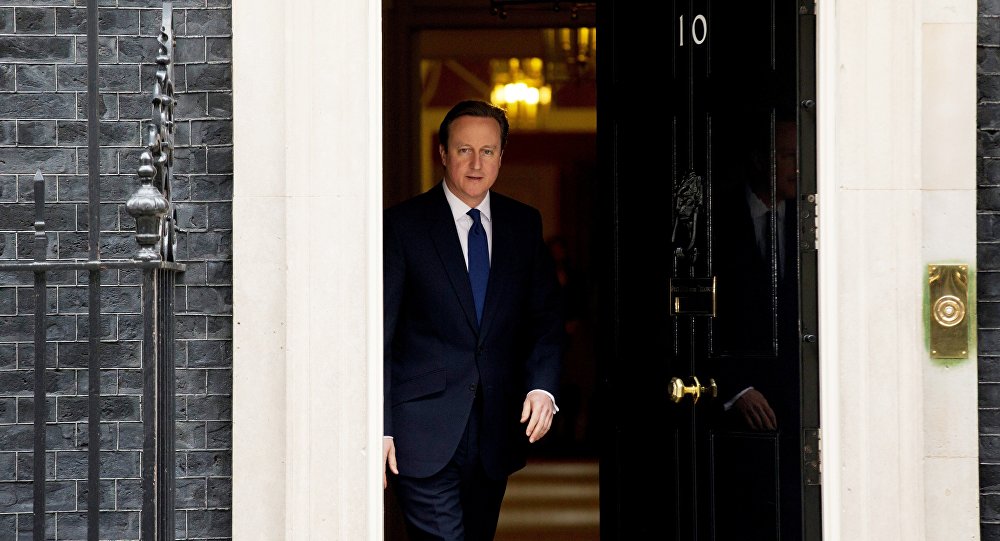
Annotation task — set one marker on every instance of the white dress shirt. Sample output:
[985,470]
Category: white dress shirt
[463,223]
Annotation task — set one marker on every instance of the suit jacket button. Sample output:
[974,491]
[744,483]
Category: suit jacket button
[472,387]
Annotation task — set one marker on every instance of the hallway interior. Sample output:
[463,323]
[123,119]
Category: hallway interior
[552,500]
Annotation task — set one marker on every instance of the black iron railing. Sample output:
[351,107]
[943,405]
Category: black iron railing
[155,233]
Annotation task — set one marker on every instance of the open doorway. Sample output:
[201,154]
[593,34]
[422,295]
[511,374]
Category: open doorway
[436,55]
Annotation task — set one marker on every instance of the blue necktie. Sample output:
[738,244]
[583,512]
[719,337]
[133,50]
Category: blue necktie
[479,262]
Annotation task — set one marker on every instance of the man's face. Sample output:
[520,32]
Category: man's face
[472,159]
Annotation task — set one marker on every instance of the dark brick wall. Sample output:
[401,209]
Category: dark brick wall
[988,262]
[43,125]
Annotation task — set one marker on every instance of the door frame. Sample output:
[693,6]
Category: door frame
[809,199]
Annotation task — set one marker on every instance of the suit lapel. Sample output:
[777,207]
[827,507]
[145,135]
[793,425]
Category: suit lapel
[449,250]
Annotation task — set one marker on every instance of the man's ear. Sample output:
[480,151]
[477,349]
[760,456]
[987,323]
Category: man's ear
[442,152]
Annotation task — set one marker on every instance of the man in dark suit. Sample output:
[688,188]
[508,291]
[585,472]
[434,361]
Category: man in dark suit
[755,422]
[755,223]
[473,336]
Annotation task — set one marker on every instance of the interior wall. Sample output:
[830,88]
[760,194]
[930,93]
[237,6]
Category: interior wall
[403,22]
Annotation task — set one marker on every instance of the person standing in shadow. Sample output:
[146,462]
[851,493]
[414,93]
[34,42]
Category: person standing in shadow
[756,266]
[755,338]
[569,434]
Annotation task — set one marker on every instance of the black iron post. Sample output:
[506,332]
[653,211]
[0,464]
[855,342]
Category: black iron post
[152,209]
[41,410]
[94,290]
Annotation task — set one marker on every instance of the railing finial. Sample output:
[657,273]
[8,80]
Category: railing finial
[151,204]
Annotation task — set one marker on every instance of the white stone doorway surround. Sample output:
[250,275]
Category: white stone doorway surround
[897,106]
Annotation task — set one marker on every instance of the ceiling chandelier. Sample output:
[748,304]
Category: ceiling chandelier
[519,87]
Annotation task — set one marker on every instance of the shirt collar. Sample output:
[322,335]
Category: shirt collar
[460,209]
[757,207]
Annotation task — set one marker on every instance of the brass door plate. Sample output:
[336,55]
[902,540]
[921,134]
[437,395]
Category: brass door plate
[949,311]
[692,296]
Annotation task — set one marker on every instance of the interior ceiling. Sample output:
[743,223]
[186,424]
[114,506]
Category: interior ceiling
[460,65]
[512,6]
[485,43]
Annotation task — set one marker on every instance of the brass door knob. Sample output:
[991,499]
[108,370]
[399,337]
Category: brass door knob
[678,390]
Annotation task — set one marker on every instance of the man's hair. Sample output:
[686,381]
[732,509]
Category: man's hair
[474,108]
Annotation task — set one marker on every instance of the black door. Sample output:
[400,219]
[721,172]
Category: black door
[706,121]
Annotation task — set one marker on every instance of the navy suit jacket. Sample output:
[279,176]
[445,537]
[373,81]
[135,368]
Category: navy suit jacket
[435,353]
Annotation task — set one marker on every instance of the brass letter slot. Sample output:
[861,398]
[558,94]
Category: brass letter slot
[949,318]
[692,296]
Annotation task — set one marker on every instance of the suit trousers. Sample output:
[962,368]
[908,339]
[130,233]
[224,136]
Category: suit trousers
[458,503]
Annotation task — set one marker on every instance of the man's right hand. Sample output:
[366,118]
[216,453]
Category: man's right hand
[388,460]
[756,411]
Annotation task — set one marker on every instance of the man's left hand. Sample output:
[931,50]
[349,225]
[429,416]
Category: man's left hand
[537,411]
[388,460]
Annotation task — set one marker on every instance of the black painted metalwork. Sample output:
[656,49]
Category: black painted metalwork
[151,207]
[94,288]
[689,204]
[812,517]
[155,235]
[41,411]
[502,8]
